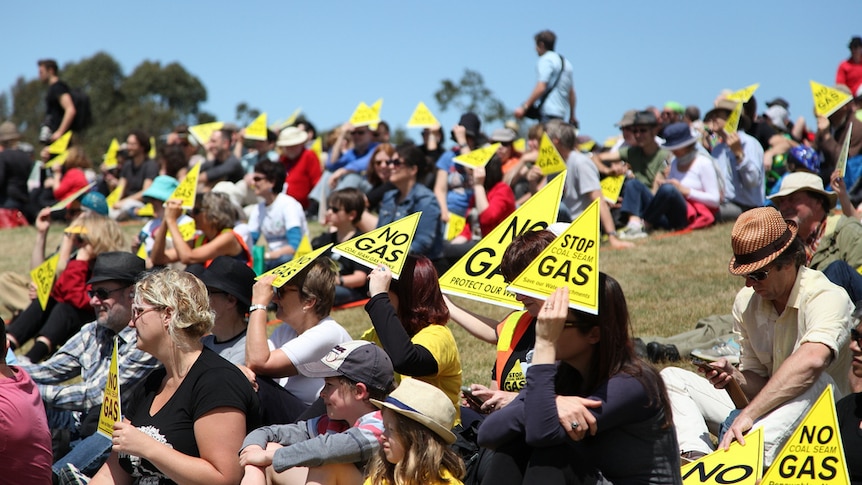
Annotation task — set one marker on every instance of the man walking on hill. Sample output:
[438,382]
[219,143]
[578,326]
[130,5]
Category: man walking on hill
[555,89]
[59,108]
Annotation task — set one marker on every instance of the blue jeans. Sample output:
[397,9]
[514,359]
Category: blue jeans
[88,455]
[668,209]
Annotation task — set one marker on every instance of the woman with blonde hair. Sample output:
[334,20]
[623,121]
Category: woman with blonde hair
[186,422]
[68,305]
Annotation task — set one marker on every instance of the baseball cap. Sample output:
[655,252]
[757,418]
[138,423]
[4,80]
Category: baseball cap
[357,360]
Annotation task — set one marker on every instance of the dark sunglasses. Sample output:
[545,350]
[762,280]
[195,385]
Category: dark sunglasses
[104,294]
[856,336]
[395,162]
[758,275]
[258,179]
[280,292]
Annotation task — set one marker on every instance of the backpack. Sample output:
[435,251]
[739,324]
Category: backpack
[83,114]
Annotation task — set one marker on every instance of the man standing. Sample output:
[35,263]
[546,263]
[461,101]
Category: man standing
[74,407]
[793,326]
[59,107]
[555,84]
[221,163]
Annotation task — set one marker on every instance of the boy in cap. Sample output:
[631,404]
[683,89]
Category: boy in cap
[339,443]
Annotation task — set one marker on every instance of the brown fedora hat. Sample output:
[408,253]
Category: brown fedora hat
[758,237]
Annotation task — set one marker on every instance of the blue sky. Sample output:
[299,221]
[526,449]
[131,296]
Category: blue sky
[327,56]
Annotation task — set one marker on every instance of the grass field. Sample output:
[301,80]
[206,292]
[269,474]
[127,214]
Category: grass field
[670,282]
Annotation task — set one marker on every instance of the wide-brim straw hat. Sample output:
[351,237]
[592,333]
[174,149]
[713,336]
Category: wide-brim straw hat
[425,404]
[759,236]
[796,181]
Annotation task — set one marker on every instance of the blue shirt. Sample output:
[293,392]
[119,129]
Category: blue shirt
[349,160]
[458,193]
[428,239]
[743,181]
[557,102]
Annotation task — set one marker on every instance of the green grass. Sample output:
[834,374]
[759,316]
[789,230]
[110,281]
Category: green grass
[670,282]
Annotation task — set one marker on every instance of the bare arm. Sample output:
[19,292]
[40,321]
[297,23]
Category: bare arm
[68,116]
[441,187]
[43,224]
[479,326]
[258,357]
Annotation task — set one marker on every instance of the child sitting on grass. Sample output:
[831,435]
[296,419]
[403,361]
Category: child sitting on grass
[335,447]
[415,446]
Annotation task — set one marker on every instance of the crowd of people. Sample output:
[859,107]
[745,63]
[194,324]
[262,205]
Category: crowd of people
[211,394]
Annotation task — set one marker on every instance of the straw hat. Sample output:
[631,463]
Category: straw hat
[425,404]
[758,237]
[796,181]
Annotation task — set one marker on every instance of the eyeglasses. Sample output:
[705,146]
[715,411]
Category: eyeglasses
[104,294]
[335,210]
[757,275]
[639,130]
[359,132]
[856,336]
[138,312]
[395,162]
[281,292]
[258,179]
[506,143]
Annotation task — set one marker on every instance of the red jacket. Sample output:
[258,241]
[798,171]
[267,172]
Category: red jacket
[302,175]
[71,286]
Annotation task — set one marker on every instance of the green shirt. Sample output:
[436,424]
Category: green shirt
[645,167]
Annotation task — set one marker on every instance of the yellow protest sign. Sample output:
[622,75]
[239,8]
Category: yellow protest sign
[203,132]
[188,188]
[61,144]
[740,465]
[146,211]
[256,130]
[68,200]
[111,410]
[142,252]
[610,141]
[303,248]
[841,165]
[288,270]
[377,106]
[587,146]
[520,145]
[477,275]
[153,154]
[744,94]
[732,124]
[317,147]
[43,277]
[111,155]
[115,194]
[612,186]
[827,100]
[422,117]
[455,226]
[814,453]
[58,160]
[549,160]
[387,245]
[364,115]
[187,230]
[290,119]
[478,157]
[572,260]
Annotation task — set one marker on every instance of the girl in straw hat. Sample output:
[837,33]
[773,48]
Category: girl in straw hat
[415,445]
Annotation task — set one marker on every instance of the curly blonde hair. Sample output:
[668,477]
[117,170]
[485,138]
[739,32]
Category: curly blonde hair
[186,298]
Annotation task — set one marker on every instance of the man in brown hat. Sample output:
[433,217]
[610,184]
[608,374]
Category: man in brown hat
[793,326]
[15,167]
[832,241]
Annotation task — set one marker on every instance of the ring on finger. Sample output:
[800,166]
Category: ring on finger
[575,425]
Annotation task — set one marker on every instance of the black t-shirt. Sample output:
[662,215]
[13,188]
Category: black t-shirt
[15,168]
[230,170]
[212,382]
[135,176]
[849,410]
[53,109]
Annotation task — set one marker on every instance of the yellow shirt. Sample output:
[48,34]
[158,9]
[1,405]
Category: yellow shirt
[446,476]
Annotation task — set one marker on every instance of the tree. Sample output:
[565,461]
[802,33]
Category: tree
[245,115]
[470,94]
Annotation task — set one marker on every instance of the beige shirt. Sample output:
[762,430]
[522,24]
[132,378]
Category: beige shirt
[817,311]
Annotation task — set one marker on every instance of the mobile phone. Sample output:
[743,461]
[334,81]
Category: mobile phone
[472,399]
[740,400]
[702,364]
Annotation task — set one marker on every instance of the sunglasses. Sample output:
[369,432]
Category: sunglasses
[758,275]
[639,130]
[258,179]
[335,210]
[395,162]
[856,336]
[283,291]
[359,133]
[104,294]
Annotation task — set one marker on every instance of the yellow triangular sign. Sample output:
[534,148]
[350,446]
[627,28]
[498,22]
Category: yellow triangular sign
[142,251]
[68,200]
[814,453]
[111,409]
[477,275]
[841,165]
[422,117]
[256,130]
[291,119]
[187,230]
[732,124]
[61,144]
[303,248]
[146,211]
[317,147]
[455,226]
[611,187]
[115,194]
[364,115]
[111,155]
[58,160]
[573,260]
[744,94]
[154,154]
[520,145]
[289,269]
[188,188]
[377,106]
[827,100]
[203,132]
[549,160]
[587,146]
[478,157]
[740,465]
[43,277]
[387,245]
